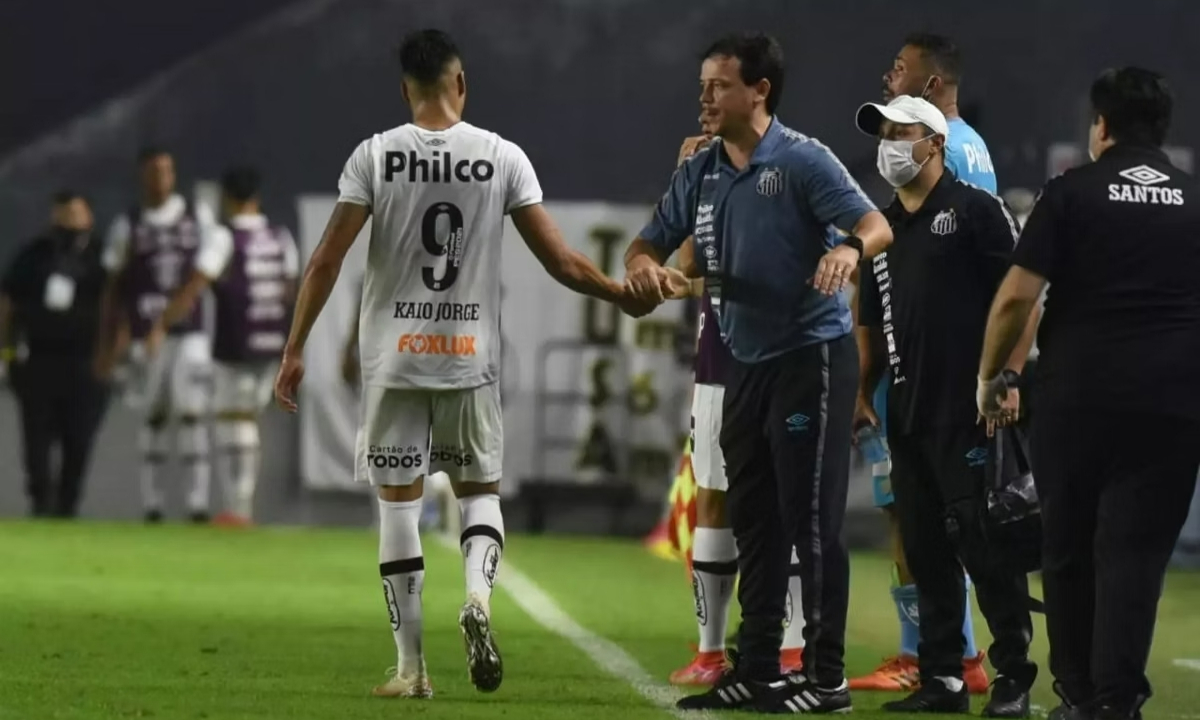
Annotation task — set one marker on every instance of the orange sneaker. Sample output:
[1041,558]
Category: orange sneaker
[791,660]
[896,674]
[975,675]
[228,519]
[704,669]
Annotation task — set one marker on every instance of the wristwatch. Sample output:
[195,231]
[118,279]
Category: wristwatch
[1012,379]
[855,242]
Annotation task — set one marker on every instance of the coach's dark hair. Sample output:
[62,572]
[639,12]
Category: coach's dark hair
[761,58]
[1135,103]
[149,152]
[424,55]
[941,52]
[64,196]
[241,183]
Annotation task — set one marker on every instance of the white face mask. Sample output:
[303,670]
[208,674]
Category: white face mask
[895,161]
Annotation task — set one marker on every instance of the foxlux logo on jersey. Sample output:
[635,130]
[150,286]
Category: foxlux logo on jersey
[425,344]
[391,457]
[441,168]
[1143,192]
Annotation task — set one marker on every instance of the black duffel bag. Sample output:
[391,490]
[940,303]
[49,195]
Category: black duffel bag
[1012,518]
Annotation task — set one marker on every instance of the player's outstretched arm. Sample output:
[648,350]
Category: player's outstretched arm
[320,276]
[569,267]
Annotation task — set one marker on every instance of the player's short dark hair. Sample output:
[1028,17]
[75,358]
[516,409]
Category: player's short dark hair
[761,58]
[241,183]
[66,196]
[1135,103]
[149,152]
[424,55]
[939,51]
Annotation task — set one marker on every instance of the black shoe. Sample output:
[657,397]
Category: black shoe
[199,518]
[1068,712]
[1072,707]
[732,693]
[801,695]
[1108,712]
[933,697]
[1010,699]
[153,517]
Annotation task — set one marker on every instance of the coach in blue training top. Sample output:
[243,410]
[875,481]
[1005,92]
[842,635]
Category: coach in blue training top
[762,203]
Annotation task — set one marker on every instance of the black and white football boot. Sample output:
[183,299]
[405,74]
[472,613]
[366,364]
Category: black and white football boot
[803,696]
[783,696]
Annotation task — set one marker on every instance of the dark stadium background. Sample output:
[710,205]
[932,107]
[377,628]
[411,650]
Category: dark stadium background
[60,57]
[598,93]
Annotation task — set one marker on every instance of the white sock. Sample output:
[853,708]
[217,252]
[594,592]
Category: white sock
[402,570]
[482,544]
[952,683]
[714,570]
[793,624]
[153,444]
[238,451]
[192,443]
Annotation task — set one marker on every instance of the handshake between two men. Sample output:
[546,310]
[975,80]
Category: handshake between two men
[648,286]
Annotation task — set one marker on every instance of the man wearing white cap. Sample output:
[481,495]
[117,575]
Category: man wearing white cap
[927,66]
[923,304]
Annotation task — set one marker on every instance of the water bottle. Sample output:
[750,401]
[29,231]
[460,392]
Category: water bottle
[872,445]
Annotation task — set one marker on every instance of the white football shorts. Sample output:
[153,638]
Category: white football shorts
[708,462]
[404,434]
[243,388]
[177,382]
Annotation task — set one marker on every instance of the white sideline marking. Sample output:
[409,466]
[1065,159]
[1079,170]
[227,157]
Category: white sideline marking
[1188,663]
[609,656]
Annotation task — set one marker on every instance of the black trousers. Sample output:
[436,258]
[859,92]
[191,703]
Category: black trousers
[61,403]
[1114,491]
[938,481]
[786,439]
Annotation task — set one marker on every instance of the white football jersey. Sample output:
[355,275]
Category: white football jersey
[430,314]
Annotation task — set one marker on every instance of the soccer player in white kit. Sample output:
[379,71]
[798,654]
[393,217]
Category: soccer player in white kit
[429,327]
[150,252]
[251,265]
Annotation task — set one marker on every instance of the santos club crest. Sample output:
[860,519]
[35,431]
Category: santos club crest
[770,182]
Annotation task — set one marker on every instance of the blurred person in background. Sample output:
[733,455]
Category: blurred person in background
[1020,200]
[929,67]
[150,252]
[49,304]
[251,266]
[714,551]
[1117,243]
[437,190]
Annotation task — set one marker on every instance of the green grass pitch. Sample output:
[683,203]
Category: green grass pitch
[124,621]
